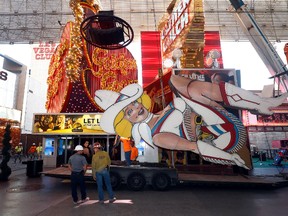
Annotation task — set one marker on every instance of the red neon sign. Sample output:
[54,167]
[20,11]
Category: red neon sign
[178,21]
[44,51]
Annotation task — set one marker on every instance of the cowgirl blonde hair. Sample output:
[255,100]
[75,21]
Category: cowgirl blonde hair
[122,126]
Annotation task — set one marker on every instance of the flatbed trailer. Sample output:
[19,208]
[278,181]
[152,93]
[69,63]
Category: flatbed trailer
[162,178]
[136,177]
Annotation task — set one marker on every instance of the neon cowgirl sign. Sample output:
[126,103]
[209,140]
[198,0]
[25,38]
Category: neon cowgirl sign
[178,21]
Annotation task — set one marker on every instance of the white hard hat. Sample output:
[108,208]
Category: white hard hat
[79,148]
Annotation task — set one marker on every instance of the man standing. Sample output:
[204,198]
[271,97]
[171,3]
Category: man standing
[78,165]
[100,170]
[127,149]
[18,152]
[134,152]
[39,151]
[87,152]
[32,152]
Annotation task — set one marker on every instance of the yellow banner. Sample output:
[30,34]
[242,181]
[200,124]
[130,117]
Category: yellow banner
[67,123]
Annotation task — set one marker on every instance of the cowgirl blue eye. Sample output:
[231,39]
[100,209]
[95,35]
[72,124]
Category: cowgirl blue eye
[129,112]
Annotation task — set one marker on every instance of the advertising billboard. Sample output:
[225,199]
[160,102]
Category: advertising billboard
[213,75]
[67,124]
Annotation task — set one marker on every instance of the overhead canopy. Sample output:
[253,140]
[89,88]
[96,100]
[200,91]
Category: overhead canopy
[38,20]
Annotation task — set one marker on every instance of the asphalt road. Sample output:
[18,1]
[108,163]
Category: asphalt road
[47,196]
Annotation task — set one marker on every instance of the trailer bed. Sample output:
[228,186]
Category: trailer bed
[135,176]
[176,177]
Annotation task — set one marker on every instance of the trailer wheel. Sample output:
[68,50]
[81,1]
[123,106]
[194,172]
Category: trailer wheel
[115,180]
[136,181]
[161,182]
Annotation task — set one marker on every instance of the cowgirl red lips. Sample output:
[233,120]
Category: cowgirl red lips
[141,112]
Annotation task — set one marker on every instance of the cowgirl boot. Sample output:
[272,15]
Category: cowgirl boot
[236,97]
[215,155]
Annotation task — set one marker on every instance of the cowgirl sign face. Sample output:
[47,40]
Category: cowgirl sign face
[122,105]
[135,112]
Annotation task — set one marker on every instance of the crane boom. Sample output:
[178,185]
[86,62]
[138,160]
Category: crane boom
[261,44]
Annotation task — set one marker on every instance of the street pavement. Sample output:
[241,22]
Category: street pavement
[43,196]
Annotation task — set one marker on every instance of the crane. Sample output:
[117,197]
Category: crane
[261,44]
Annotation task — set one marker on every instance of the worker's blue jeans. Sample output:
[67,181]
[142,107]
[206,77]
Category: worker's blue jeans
[78,179]
[128,158]
[104,174]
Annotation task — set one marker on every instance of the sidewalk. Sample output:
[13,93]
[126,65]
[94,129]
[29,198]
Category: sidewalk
[16,166]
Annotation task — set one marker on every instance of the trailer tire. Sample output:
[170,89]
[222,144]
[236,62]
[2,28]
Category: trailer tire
[136,181]
[115,180]
[161,182]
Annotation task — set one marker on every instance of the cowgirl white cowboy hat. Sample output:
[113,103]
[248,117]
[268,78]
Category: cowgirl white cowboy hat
[113,102]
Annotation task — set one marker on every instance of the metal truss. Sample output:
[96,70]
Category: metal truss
[26,21]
